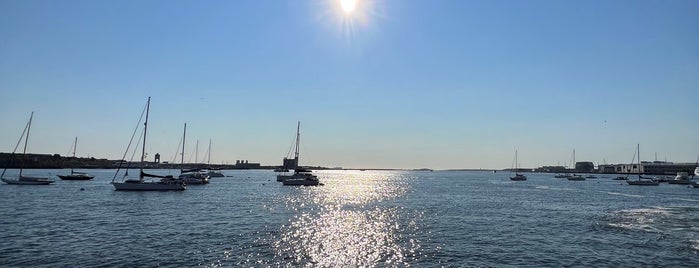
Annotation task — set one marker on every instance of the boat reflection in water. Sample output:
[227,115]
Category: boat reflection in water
[349,224]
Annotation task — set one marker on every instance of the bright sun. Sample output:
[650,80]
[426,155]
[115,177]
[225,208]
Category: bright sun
[348,5]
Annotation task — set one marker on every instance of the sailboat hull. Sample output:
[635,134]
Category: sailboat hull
[76,177]
[301,182]
[36,181]
[519,178]
[148,186]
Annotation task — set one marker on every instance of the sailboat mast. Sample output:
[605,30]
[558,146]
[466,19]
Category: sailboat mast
[75,146]
[638,152]
[516,164]
[24,151]
[196,153]
[208,161]
[298,139]
[145,131]
[184,136]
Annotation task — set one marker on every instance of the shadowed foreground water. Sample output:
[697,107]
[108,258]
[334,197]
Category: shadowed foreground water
[359,218]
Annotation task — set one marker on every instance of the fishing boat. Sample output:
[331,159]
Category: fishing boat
[74,175]
[517,176]
[301,176]
[641,180]
[21,179]
[166,183]
[575,177]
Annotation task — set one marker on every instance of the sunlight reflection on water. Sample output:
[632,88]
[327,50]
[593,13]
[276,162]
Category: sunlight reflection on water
[350,222]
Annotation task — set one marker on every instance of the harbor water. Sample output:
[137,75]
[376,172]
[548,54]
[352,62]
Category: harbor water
[358,218]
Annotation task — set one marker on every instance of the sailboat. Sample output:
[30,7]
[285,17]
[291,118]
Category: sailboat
[192,176]
[25,180]
[165,184]
[575,177]
[641,180]
[74,175]
[301,176]
[214,173]
[518,177]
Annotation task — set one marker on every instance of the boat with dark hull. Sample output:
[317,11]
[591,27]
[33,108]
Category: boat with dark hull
[641,181]
[301,176]
[21,179]
[191,176]
[165,183]
[517,176]
[74,175]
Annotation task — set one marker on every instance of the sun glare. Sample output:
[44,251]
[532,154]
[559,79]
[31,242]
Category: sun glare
[348,5]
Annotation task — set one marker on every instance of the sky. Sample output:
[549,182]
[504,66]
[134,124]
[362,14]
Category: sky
[392,84]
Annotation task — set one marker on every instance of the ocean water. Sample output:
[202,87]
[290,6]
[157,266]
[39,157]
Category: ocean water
[359,218]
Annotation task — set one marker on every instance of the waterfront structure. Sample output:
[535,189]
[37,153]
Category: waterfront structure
[584,167]
[646,167]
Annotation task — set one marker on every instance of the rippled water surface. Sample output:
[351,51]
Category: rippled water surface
[359,218]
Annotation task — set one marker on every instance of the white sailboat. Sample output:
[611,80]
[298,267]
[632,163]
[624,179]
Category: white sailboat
[165,184]
[301,176]
[21,179]
[74,175]
[518,177]
[641,180]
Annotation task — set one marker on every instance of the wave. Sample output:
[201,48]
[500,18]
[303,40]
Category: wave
[622,194]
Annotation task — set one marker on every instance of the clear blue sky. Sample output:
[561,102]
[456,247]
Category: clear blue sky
[395,84]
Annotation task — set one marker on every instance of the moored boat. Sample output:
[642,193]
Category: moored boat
[74,175]
[681,178]
[641,181]
[517,176]
[21,179]
[301,176]
[576,177]
[166,183]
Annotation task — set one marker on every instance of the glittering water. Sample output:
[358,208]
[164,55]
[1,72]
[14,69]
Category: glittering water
[369,218]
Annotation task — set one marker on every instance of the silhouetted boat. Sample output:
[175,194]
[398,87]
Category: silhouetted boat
[641,180]
[21,179]
[300,176]
[74,175]
[167,183]
[576,177]
[518,177]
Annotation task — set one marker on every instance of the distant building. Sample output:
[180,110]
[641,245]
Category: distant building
[243,164]
[584,167]
[552,169]
[655,167]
